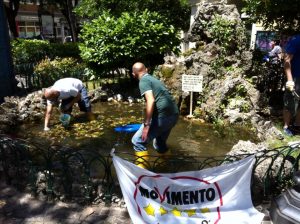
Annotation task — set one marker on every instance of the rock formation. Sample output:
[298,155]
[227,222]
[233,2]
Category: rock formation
[221,56]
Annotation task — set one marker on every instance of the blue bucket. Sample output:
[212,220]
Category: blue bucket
[128,128]
[65,119]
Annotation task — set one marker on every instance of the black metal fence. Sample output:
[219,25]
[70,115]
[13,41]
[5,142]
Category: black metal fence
[63,173]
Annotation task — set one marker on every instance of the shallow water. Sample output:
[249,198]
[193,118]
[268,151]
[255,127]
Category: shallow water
[188,137]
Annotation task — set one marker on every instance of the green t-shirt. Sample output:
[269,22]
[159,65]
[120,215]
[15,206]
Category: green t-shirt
[165,104]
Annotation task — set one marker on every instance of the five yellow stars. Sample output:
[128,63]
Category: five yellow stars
[150,210]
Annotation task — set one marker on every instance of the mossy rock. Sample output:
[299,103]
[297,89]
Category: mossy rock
[167,71]
[188,52]
[198,112]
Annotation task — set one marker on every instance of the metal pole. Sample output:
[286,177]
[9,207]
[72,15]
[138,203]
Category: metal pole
[191,105]
[7,84]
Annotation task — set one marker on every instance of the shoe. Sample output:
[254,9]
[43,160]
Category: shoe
[287,132]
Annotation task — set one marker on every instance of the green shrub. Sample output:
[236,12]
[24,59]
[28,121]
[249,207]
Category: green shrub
[65,50]
[33,51]
[223,31]
[117,42]
[48,71]
[229,34]
[29,51]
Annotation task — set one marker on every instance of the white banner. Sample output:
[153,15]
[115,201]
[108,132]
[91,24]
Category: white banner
[219,195]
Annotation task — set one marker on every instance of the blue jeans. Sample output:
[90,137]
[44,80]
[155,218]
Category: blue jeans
[159,131]
[84,103]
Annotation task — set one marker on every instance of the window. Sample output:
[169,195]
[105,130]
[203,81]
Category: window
[28,29]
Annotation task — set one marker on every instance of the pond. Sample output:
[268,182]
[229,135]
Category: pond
[188,137]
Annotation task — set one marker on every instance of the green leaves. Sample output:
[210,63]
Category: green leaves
[48,71]
[29,51]
[115,42]
[222,30]
[274,14]
[175,12]
[229,34]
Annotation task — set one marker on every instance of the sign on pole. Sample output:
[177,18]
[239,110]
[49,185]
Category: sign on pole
[192,83]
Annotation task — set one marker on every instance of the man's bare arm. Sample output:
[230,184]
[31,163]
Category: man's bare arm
[287,66]
[47,116]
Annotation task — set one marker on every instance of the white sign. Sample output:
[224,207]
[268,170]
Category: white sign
[192,83]
[219,195]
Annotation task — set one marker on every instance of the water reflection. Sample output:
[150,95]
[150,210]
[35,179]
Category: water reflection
[188,138]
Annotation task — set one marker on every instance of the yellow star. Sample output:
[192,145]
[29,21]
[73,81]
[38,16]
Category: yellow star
[204,210]
[163,211]
[191,212]
[176,212]
[150,210]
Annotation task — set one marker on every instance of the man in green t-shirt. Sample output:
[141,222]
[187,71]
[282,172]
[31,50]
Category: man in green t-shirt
[161,114]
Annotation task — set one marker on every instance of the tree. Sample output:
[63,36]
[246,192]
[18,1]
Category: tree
[274,14]
[119,32]
[11,10]
[175,12]
[66,7]
[7,84]
[116,42]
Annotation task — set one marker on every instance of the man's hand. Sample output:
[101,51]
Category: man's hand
[145,133]
[290,85]
[46,129]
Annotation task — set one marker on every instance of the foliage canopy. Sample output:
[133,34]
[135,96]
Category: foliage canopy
[274,14]
[175,12]
[118,42]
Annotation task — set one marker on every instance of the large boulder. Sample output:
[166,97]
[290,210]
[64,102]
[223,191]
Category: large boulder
[270,164]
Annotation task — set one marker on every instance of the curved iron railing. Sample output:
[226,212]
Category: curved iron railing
[88,176]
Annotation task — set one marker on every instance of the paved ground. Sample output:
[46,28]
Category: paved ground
[21,208]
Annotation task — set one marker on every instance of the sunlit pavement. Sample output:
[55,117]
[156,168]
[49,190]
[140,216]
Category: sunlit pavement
[21,208]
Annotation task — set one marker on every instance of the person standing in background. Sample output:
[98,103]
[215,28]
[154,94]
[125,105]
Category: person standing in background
[276,52]
[292,92]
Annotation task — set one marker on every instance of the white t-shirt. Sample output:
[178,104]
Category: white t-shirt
[67,87]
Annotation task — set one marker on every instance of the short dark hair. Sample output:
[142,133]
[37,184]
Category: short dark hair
[277,42]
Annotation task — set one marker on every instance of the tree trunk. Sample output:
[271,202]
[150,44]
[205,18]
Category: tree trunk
[7,84]
[67,11]
[11,13]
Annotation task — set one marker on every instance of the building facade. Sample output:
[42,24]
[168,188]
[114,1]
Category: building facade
[35,22]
